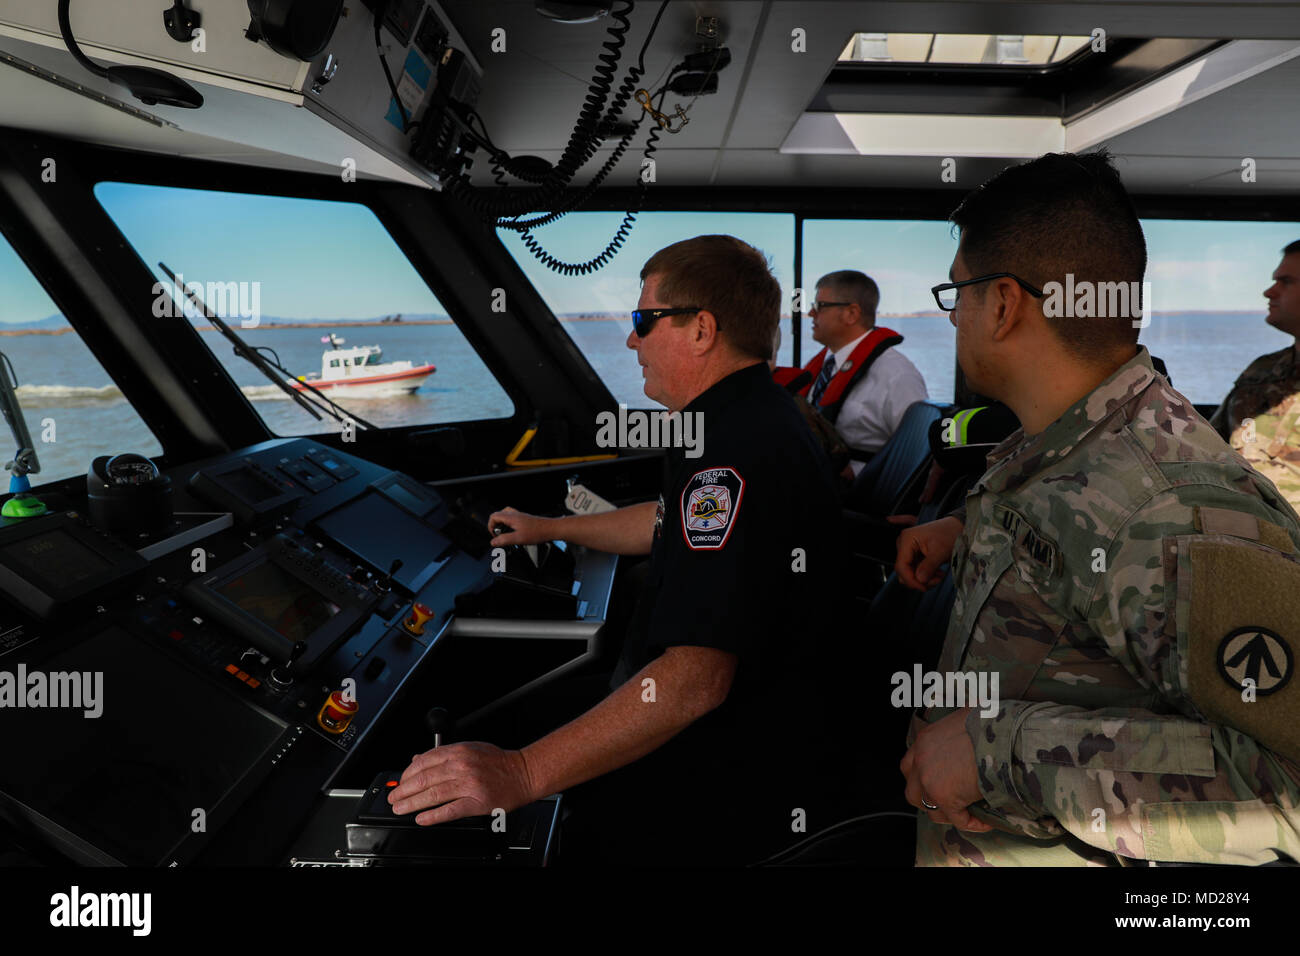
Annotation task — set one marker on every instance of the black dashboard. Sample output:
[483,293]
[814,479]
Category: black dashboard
[190,689]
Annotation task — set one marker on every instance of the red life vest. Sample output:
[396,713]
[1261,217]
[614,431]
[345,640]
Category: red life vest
[859,362]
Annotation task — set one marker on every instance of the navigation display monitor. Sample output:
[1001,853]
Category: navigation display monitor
[279,600]
[377,531]
[145,743]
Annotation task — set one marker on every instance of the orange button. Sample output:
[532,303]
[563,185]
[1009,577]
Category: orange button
[242,675]
[232,669]
[254,682]
[391,783]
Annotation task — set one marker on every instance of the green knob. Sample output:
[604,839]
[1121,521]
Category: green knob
[23,506]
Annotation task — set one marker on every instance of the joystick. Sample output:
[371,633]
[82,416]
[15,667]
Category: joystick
[440,724]
[282,676]
[385,584]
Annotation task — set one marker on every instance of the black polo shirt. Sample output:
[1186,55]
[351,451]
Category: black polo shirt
[743,561]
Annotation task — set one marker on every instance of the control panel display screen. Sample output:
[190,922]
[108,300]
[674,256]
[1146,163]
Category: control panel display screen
[53,559]
[279,600]
[250,486]
[378,531]
[145,742]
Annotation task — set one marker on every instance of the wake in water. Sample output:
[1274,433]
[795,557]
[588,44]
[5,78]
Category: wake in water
[265,393]
[74,396]
[67,396]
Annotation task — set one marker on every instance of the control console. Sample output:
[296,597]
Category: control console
[225,676]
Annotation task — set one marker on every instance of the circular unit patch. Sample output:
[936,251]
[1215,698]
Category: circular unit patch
[1256,654]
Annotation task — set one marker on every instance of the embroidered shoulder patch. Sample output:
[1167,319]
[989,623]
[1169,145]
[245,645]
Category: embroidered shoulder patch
[710,501]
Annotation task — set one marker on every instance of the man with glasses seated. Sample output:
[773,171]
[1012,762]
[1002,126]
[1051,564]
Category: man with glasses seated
[715,742]
[1130,582]
[860,382]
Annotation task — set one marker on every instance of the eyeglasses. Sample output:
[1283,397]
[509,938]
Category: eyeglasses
[819,306]
[643,320]
[945,294]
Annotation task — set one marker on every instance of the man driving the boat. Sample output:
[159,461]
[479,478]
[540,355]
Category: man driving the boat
[714,744]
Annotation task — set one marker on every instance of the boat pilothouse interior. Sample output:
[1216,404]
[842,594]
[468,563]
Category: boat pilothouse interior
[293,296]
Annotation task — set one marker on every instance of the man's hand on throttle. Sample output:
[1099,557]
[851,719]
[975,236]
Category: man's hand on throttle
[522,528]
[462,780]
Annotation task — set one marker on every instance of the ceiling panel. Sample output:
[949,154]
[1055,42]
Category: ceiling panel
[533,92]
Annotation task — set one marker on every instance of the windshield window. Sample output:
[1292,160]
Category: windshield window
[596,309]
[287,274]
[73,409]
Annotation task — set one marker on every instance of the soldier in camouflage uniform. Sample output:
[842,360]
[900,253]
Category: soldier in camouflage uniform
[1128,577]
[1261,415]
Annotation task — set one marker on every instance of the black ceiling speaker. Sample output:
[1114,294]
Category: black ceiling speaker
[571,11]
[146,84]
[296,28]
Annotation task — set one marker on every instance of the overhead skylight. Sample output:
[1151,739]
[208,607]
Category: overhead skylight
[913,112]
[966,49]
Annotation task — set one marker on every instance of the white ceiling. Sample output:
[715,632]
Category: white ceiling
[532,92]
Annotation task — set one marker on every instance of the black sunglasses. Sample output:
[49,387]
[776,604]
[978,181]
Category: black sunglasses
[945,294]
[819,305]
[643,320]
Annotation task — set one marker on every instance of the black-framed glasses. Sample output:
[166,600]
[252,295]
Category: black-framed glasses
[945,293]
[819,305]
[643,320]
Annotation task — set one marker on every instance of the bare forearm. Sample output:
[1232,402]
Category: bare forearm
[627,530]
[626,726]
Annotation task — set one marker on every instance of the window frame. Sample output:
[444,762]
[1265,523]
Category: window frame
[873,203]
[378,213]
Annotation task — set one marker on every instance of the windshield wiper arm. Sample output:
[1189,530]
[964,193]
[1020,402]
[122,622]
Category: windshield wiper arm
[265,366]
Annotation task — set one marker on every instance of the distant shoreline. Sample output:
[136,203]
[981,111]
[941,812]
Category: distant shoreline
[324,325]
[592,317]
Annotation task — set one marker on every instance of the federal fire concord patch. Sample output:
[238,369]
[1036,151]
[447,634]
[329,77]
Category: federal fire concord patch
[710,501]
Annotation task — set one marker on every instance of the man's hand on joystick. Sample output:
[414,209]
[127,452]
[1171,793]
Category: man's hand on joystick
[460,780]
[510,526]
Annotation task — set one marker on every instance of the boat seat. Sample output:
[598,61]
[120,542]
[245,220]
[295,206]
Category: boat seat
[922,616]
[904,628]
[879,487]
[889,484]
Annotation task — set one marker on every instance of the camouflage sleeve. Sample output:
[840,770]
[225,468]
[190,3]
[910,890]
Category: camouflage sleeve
[1160,784]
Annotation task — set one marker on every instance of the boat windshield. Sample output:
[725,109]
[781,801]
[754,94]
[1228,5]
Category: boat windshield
[310,297]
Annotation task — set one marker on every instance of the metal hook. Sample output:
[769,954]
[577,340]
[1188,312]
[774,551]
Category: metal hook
[663,119]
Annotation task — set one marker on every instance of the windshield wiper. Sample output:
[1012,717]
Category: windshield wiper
[267,367]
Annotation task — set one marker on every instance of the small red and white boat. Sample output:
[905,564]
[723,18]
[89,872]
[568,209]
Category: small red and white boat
[359,371]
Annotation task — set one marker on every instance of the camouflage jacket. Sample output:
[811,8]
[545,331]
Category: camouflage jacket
[1123,572]
[1260,418]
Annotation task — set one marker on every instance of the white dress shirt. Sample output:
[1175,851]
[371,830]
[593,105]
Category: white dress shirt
[875,405]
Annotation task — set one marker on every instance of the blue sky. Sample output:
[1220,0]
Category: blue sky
[314,259]
[23,299]
[334,260]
